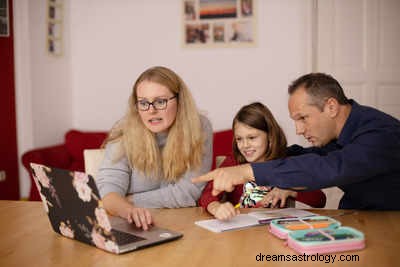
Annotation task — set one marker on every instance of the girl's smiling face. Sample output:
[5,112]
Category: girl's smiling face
[251,142]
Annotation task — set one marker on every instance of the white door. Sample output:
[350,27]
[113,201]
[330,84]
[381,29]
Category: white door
[358,42]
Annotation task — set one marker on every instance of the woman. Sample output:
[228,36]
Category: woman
[257,137]
[155,149]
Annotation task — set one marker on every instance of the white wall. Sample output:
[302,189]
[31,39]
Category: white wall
[109,43]
[44,95]
[22,87]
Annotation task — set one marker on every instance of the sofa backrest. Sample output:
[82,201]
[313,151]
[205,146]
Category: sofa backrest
[89,141]
[222,145]
[77,141]
[93,159]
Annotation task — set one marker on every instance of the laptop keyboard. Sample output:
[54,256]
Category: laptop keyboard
[123,238]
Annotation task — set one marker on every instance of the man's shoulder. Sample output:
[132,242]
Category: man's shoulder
[367,118]
[369,124]
[372,115]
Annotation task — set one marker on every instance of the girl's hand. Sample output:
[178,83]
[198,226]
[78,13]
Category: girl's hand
[278,195]
[222,211]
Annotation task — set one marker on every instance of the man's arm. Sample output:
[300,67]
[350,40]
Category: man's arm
[367,156]
[225,179]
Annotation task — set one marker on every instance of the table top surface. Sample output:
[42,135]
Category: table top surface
[27,239]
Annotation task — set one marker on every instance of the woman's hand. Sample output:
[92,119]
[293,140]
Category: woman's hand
[222,211]
[140,216]
[278,195]
[119,206]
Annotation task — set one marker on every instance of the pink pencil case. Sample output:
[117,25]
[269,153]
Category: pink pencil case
[320,241]
[282,227]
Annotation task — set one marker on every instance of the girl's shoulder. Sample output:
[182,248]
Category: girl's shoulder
[228,161]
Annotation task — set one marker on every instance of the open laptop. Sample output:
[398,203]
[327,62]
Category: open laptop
[73,204]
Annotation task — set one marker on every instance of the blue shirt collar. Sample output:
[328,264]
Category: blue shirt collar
[351,124]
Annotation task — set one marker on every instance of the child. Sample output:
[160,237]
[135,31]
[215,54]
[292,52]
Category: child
[257,137]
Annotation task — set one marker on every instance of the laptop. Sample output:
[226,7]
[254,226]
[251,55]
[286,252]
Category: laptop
[72,202]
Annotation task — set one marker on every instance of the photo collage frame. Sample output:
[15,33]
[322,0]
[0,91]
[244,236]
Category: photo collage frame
[4,19]
[219,23]
[55,27]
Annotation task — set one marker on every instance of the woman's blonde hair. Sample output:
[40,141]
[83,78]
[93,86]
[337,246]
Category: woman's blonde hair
[258,116]
[183,150]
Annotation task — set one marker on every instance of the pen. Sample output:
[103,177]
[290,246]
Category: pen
[237,206]
[307,226]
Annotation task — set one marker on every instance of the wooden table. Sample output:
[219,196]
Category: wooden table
[28,240]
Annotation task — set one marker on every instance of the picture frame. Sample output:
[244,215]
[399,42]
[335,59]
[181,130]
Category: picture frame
[218,23]
[4,19]
[54,39]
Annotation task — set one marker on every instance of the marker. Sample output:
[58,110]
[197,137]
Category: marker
[303,226]
[237,206]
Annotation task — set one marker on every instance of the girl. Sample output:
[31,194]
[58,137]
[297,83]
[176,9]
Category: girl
[155,149]
[257,137]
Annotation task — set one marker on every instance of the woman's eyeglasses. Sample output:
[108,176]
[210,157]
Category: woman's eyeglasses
[158,103]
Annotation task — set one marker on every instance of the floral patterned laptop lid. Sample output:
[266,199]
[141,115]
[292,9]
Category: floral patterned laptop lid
[74,207]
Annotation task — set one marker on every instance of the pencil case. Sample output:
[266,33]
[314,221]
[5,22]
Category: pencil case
[282,227]
[331,240]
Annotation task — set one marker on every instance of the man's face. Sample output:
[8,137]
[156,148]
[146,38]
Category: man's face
[318,127]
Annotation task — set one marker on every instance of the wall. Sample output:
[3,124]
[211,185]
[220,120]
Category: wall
[109,43]
[43,91]
[112,44]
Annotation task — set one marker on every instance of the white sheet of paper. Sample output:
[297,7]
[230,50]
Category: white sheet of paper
[237,222]
[251,219]
[280,213]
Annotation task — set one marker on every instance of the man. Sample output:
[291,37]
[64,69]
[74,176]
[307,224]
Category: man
[355,147]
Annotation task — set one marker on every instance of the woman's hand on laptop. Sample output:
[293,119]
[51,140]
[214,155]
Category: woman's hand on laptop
[141,217]
[120,206]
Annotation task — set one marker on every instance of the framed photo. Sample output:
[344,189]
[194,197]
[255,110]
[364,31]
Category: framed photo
[54,47]
[218,23]
[54,27]
[55,12]
[54,30]
[4,19]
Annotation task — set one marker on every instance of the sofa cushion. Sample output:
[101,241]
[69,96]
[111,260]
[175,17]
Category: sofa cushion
[77,141]
[222,145]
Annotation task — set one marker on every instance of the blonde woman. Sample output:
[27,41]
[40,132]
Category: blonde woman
[154,151]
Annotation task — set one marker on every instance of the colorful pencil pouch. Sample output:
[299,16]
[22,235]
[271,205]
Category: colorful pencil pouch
[320,241]
[282,227]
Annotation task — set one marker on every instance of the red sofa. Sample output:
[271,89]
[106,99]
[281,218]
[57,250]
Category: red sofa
[69,155]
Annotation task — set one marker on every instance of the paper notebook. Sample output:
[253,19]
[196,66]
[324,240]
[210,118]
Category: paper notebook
[266,216]
[251,219]
[238,222]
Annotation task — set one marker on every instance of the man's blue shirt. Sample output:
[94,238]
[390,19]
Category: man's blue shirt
[364,162]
